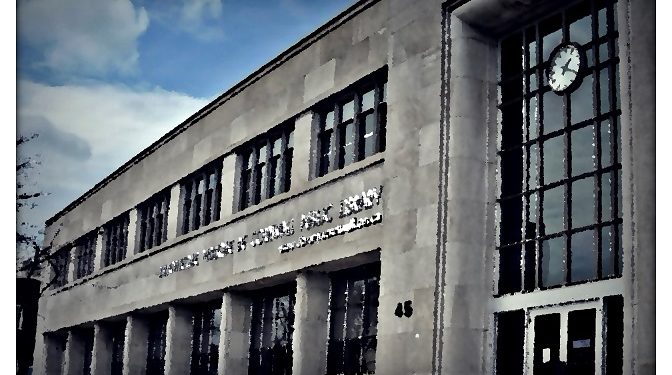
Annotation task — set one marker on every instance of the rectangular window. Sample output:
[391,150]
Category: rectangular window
[271,332]
[510,342]
[60,263]
[86,252]
[266,166]
[205,343]
[118,334]
[560,199]
[156,343]
[115,238]
[87,340]
[200,193]
[352,124]
[153,221]
[353,321]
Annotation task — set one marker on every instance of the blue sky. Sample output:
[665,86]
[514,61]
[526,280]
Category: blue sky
[101,80]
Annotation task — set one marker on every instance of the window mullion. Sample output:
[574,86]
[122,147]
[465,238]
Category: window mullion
[280,167]
[267,167]
[192,208]
[377,117]
[335,140]
[357,123]
[254,160]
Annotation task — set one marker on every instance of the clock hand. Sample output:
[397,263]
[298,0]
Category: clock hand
[565,68]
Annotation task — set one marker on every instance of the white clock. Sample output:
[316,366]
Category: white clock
[564,68]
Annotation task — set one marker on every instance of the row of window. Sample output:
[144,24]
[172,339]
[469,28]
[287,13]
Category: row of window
[352,331]
[350,127]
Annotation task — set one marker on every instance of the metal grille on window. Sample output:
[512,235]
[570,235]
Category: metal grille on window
[560,158]
[87,340]
[271,333]
[153,221]
[266,166]
[86,252]
[352,127]
[205,343]
[59,264]
[201,194]
[115,238]
[353,322]
[118,335]
[156,345]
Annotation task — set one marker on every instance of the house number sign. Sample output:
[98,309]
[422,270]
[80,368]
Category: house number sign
[348,208]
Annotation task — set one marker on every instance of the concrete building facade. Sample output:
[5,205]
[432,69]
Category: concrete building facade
[410,189]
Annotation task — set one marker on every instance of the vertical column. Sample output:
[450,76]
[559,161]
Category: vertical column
[99,259]
[102,350]
[131,233]
[74,355]
[638,140]
[234,341]
[179,332]
[135,348]
[228,186]
[303,144]
[72,264]
[49,349]
[309,341]
[174,213]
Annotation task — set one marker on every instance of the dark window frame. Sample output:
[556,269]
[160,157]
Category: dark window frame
[156,343]
[332,151]
[118,341]
[60,266]
[347,354]
[152,222]
[264,173]
[201,207]
[115,240]
[523,86]
[86,335]
[204,351]
[85,250]
[267,354]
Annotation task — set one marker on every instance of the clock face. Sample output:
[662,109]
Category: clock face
[564,68]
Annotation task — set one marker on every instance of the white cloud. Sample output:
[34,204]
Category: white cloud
[89,131]
[195,16]
[83,36]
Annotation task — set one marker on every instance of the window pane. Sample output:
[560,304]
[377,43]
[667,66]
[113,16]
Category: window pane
[554,159]
[347,144]
[582,101]
[510,265]
[604,91]
[532,47]
[583,202]
[532,172]
[607,213]
[608,253]
[329,121]
[277,146]
[553,261]
[580,31]
[348,111]
[551,41]
[605,144]
[554,208]
[367,100]
[369,138]
[533,113]
[602,22]
[553,108]
[581,342]
[582,150]
[584,256]
[533,81]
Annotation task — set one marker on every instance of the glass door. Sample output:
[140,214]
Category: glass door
[565,339]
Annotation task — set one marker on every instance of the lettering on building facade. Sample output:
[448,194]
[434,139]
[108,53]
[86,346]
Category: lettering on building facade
[308,221]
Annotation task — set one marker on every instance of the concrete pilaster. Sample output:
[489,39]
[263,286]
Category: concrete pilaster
[132,231]
[99,259]
[228,186]
[49,353]
[309,341]
[74,354]
[179,332]
[173,212]
[135,348]
[235,338]
[102,350]
[303,144]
